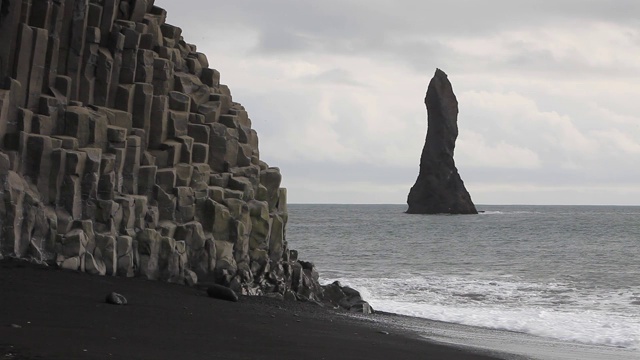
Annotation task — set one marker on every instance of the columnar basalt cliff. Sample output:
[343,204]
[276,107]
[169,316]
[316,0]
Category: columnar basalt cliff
[439,188]
[121,153]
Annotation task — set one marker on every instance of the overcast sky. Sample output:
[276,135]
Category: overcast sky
[549,93]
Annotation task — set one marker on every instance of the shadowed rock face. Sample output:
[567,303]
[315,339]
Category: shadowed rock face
[121,153]
[439,188]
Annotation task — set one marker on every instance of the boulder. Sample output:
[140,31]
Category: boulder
[222,292]
[114,298]
[345,297]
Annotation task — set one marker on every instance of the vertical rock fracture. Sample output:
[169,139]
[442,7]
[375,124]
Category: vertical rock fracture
[121,153]
[439,188]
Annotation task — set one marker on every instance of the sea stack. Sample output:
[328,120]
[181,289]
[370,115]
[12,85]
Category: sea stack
[439,188]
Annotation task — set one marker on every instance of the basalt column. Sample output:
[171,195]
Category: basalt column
[122,153]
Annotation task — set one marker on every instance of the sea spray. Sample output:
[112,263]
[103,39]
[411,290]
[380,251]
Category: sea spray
[546,311]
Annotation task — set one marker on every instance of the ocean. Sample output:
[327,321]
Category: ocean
[567,275]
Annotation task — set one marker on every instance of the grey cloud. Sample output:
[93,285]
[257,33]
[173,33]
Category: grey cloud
[280,40]
[268,110]
[334,76]
[543,62]
[411,32]
[350,21]
[550,176]
[326,172]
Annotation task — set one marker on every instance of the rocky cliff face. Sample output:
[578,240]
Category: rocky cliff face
[122,153]
[439,188]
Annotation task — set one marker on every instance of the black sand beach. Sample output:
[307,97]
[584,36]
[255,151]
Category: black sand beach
[48,313]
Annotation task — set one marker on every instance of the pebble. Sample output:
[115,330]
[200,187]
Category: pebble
[116,299]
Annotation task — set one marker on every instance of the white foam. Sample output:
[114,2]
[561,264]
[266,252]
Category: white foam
[587,327]
[552,310]
[514,212]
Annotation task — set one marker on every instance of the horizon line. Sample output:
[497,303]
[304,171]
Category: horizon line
[612,205]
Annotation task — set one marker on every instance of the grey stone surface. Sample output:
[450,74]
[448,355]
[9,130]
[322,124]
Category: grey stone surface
[123,154]
[439,188]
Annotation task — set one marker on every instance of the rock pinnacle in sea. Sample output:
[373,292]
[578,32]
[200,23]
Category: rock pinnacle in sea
[439,188]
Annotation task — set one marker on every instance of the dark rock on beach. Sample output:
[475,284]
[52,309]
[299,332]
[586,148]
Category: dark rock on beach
[439,188]
[222,292]
[345,297]
[116,299]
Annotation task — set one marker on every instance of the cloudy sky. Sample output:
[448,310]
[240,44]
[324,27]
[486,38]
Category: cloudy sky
[549,92]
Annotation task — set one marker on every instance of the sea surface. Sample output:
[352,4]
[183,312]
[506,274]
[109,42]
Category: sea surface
[563,274]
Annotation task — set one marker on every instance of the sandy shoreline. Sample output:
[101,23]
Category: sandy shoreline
[48,313]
